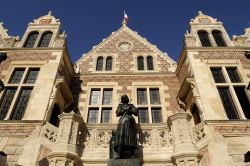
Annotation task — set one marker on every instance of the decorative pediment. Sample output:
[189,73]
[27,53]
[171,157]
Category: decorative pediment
[204,19]
[125,42]
[46,20]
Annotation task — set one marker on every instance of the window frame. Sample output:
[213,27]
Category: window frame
[42,37]
[145,62]
[140,63]
[100,106]
[28,38]
[19,87]
[219,43]
[208,38]
[148,105]
[230,85]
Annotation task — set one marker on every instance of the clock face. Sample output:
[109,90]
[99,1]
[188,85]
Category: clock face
[124,46]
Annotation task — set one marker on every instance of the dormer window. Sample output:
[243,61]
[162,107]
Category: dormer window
[204,39]
[45,39]
[31,39]
[99,63]
[218,38]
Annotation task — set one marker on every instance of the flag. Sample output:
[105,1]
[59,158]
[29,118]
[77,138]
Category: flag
[125,17]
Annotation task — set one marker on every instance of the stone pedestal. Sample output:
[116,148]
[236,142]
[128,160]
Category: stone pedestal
[125,162]
[65,152]
[185,152]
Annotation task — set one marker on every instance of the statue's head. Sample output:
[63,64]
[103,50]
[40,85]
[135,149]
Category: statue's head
[125,99]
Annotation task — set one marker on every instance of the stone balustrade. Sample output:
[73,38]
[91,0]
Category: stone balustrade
[158,136]
[49,132]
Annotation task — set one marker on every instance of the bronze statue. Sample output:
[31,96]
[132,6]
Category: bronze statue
[125,138]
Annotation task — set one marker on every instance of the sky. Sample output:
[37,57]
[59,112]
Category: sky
[87,22]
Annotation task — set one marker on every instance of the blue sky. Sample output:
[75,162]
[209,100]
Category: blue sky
[162,22]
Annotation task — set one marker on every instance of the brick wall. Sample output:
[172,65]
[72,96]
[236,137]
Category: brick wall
[237,55]
[169,80]
[25,56]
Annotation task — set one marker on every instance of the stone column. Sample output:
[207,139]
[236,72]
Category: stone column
[65,152]
[185,152]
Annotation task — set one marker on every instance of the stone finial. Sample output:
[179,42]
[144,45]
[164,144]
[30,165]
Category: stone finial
[124,22]
[50,13]
[200,13]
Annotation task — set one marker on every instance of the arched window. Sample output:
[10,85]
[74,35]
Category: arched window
[109,63]
[195,113]
[150,64]
[45,39]
[99,63]
[31,39]
[218,38]
[54,119]
[203,35]
[140,63]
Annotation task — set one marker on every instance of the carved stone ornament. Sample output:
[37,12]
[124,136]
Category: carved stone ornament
[204,20]
[124,46]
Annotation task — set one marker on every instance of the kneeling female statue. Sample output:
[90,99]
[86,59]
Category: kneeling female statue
[126,133]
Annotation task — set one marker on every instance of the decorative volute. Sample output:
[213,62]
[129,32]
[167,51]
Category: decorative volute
[242,40]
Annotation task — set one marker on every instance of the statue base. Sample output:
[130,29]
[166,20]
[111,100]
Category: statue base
[125,162]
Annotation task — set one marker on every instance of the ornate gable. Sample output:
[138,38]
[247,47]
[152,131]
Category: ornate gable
[125,46]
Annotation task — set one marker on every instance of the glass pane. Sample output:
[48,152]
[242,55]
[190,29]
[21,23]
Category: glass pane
[6,102]
[21,104]
[93,115]
[32,75]
[107,97]
[156,115]
[99,64]
[218,38]
[218,75]
[140,63]
[106,114]
[143,115]
[45,40]
[154,96]
[141,96]
[109,64]
[150,63]
[243,99]
[233,75]
[30,42]
[228,103]
[203,35]
[16,76]
[95,97]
